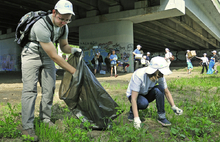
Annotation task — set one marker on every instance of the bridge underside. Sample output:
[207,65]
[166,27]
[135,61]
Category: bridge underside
[176,33]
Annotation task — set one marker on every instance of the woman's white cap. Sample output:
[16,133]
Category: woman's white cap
[158,63]
[167,49]
[64,7]
[204,54]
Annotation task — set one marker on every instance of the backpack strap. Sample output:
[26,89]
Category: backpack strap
[52,31]
[50,22]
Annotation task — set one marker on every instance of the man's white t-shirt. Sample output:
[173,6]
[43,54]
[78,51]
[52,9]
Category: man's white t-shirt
[205,60]
[168,55]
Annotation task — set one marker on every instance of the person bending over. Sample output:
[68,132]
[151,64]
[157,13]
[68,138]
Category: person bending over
[146,85]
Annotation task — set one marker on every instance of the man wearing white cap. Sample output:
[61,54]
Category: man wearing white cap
[216,61]
[168,56]
[189,63]
[38,57]
[146,85]
[148,56]
[137,52]
[205,62]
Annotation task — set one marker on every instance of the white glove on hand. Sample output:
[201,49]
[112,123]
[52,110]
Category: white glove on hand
[137,123]
[74,50]
[177,111]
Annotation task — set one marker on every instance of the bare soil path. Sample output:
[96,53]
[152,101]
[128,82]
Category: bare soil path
[11,84]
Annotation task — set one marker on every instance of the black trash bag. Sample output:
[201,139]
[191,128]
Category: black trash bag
[85,96]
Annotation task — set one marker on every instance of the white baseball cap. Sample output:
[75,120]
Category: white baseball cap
[214,51]
[187,50]
[204,54]
[138,45]
[167,49]
[148,52]
[64,7]
[158,63]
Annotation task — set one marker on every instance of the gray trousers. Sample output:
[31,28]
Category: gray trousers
[215,66]
[34,69]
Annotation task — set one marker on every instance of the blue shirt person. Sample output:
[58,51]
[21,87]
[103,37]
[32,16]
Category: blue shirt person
[113,59]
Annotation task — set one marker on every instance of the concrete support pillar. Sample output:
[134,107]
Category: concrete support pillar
[104,37]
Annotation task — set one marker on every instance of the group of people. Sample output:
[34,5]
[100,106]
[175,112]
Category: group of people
[38,56]
[97,62]
[210,66]
[111,62]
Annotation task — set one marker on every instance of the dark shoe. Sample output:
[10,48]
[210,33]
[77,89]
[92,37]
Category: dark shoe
[131,117]
[30,133]
[216,72]
[164,122]
[125,71]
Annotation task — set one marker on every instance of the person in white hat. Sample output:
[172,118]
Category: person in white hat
[216,61]
[189,63]
[143,89]
[205,62]
[137,53]
[148,56]
[168,56]
[38,57]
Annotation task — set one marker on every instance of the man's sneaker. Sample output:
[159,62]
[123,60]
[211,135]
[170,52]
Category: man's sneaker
[131,117]
[50,124]
[30,133]
[216,72]
[164,122]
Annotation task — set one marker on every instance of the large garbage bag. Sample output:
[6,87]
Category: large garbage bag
[85,96]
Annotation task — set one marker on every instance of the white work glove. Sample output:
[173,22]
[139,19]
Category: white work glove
[74,50]
[177,111]
[137,123]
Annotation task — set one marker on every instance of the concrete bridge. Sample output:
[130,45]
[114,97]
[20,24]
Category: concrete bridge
[122,24]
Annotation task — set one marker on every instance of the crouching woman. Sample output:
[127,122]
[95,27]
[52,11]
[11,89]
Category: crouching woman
[146,85]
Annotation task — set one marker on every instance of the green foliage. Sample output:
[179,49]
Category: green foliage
[9,123]
[197,96]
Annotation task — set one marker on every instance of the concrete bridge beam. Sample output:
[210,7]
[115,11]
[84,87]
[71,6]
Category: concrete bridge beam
[180,31]
[196,30]
[159,32]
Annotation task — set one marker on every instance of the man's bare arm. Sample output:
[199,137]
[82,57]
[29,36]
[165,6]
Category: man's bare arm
[51,51]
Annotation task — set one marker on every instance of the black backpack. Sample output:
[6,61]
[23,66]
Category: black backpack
[93,61]
[25,24]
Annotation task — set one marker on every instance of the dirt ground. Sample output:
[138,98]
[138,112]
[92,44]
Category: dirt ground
[11,84]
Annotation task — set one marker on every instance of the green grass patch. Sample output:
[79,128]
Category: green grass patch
[197,96]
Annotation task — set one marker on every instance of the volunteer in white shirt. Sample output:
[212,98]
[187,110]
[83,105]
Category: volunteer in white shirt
[205,62]
[146,85]
[168,55]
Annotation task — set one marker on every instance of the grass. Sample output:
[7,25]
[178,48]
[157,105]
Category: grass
[198,96]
